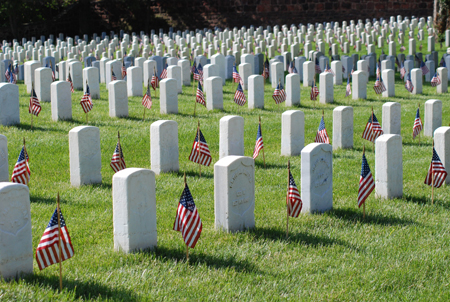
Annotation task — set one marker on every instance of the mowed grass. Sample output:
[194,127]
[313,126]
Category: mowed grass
[400,251]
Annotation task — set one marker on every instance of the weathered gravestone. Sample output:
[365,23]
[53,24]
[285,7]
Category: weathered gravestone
[292,89]
[255,91]
[85,156]
[359,85]
[443,86]
[9,104]
[4,174]
[164,146]
[388,166]
[16,249]
[343,127]
[134,81]
[231,137]
[433,117]
[168,96]
[234,193]
[43,80]
[214,93]
[118,99]
[317,178]
[134,210]
[388,77]
[326,88]
[391,118]
[292,132]
[61,101]
[185,72]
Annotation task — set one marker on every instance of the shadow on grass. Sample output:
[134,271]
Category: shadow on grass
[303,238]
[260,164]
[194,173]
[27,127]
[421,200]
[195,257]
[357,215]
[416,143]
[37,199]
[84,290]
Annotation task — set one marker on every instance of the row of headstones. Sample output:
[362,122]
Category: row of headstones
[134,196]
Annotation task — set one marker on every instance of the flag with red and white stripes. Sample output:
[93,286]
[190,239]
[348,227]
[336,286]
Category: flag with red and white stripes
[200,151]
[259,144]
[314,92]
[417,124]
[164,72]
[379,86]
[188,220]
[69,79]
[21,172]
[239,96]
[438,169]
[279,95]
[348,90]
[147,99]
[200,98]
[124,70]
[236,76]
[322,135]
[86,101]
[366,183]
[154,81]
[294,202]
[373,129]
[34,106]
[436,80]
[408,84]
[117,160]
[47,252]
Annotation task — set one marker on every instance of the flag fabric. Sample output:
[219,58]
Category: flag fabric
[266,69]
[124,70]
[317,66]
[196,75]
[438,169]
[329,70]
[379,86]
[373,129]
[259,144]
[21,172]
[147,99]
[239,96]
[117,160]
[10,76]
[424,68]
[164,72]
[113,75]
[200,98]
[279,95]
[69,79]
[200,72]
[236,76]
[291,67]
[154,81]
[436,80]
[417,124]
[86,101]
[322,135]
[348,90]
[314,92]
[402,70]
[294,202]
[188,220]
[34,107]
[47,252]
[200,151]
[408,84]
[366,183]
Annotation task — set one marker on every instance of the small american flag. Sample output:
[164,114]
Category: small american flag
[86,101]
[200,98]
[438,169]
[294,202]
[417,124]
[200,72]
[155,81]
[424,68]
[442,62]
[239,96]
[147,99]
[53,73]
[348,90]
[117,160]
[10,76]
[379,86]
[259,145]
[236,76]
[329,70]
[113,75]
[322,135]
[188,220]
[34,106]
[314,91]
[279,95]
[196,76]
[291,67]
[436,80]
[124,70]
[47,252]
[200,151]
[402,70]
[265,73]
[21,172]
[164,72]
[69,79]
[317,66]
[408,84]
[366,183]
[373,129]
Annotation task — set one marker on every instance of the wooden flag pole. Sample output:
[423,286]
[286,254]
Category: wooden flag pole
[264,157]
[198,147]
[187,247]
[288,205]
[432,180]
[59,244]
[364,204]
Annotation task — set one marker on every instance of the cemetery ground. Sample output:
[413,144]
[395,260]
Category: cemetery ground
[400,251]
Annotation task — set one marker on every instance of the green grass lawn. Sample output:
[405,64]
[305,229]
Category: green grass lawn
[399,252]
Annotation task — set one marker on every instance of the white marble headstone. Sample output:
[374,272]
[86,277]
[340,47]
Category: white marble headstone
[4,174]
[164,146]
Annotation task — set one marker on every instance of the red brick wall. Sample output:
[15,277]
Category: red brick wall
[210,13]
